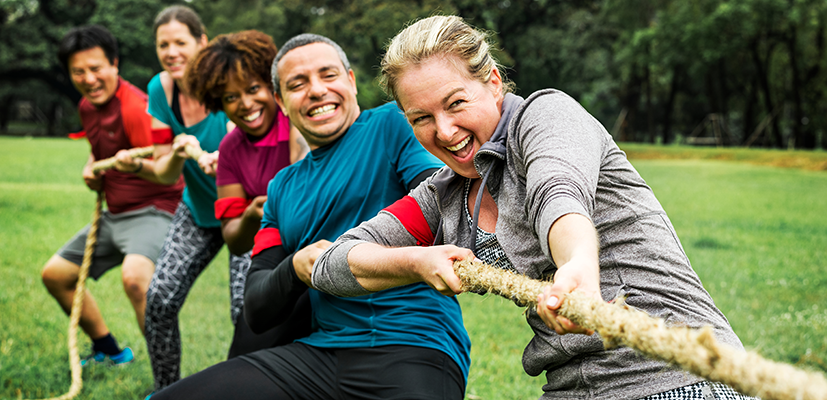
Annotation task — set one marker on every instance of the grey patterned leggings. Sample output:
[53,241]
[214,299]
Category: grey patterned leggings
[188,249]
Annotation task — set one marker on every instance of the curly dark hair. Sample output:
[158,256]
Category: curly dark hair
[246,54]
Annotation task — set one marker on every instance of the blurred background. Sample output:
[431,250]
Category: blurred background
[706,72]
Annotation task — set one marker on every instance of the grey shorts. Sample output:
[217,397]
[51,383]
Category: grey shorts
[139,231]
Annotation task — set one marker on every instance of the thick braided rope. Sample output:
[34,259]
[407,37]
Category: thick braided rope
[694,350]
[109,163]
[142,152]
[194,152]
[77,304]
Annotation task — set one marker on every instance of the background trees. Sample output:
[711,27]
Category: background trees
[747,72]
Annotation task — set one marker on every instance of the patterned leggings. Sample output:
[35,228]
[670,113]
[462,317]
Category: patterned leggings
[703,390]
[188,249]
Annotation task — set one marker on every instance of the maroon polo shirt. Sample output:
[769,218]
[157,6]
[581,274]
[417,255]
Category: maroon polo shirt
[254,164]
[123,123]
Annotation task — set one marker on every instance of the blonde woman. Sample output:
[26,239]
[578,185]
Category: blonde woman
[537,186]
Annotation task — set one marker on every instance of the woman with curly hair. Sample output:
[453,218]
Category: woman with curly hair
[195,234]
[232,74]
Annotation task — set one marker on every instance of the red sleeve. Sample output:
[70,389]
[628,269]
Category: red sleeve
[162,136]
[265,239]
[137,123]
[231,207]
[77,135]
[407,211]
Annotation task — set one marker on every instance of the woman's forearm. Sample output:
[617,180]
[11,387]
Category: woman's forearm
[239,233]
[168,165]
[573,237]
[377,268]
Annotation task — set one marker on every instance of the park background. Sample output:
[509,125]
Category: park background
[660,75]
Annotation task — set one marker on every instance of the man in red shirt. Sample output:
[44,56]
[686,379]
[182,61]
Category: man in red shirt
[132,229]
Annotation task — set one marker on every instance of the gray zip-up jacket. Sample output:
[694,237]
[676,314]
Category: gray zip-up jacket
[549,157]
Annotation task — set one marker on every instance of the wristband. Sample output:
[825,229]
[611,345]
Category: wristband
[230,207]
[265,239]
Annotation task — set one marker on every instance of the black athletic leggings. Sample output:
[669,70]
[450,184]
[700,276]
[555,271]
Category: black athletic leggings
[298,371]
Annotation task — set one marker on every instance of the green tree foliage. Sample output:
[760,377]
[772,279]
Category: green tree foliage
[30,32]
[648,69]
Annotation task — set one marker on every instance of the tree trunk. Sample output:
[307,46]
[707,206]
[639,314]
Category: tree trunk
[797,139]
[650,120]
[762,66]
[749,111]
[630,101]
[668,135]
[5,112]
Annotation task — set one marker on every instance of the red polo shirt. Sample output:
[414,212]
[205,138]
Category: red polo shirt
[123,123]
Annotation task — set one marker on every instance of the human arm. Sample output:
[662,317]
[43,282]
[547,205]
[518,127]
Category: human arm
[143,168]
[209,163]
[274,284]
[239,231]
[561,148]
[92,179]
[574,247]
[377,267]
[169,159]
[394,233]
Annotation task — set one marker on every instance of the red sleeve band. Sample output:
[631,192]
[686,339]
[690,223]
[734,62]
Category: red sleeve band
[231,207]
[265,239]
[162,136]
[407,211]
[77,135]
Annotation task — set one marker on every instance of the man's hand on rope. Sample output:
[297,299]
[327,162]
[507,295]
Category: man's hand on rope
[125,163]
[570,276]
[304,259]
[93,180]
[181,142]
[209,163]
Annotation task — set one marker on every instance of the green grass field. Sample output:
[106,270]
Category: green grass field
[756,235]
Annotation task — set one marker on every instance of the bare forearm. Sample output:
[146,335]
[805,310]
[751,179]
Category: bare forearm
[377,267]
[167,167]
[573,237]
[147,172]
[574,247]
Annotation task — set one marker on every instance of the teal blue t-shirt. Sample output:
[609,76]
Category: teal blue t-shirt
[335,188]
[200,193]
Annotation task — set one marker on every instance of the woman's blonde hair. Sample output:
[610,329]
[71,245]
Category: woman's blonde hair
[441,36]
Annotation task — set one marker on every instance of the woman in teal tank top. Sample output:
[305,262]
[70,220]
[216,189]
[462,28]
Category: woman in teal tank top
[194,237]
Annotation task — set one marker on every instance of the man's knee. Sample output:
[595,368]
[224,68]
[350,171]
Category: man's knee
[136,274]
[59,273]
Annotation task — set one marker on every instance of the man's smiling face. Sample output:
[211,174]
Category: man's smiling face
[317,93]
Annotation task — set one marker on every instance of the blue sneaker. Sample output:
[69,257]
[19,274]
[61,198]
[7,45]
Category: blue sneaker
[124,357]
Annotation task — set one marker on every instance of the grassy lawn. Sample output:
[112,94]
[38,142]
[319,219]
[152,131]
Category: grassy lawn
[756,235]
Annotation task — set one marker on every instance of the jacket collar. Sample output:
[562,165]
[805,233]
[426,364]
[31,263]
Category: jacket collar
[497,143]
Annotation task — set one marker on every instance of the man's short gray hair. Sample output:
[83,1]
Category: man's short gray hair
[299,41]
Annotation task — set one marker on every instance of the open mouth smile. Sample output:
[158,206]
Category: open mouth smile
[459,145]
[322,111]
[252,117]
